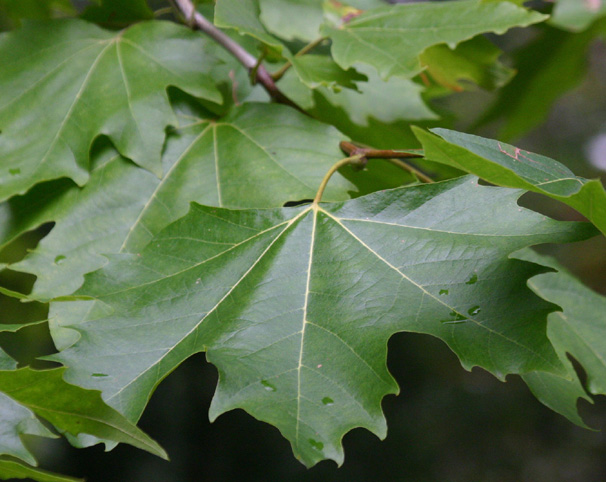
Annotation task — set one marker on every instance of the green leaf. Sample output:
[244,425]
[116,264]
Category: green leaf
[293,19]
[261,155]
[117,12]
[577,15]
[476,60]
[320,70]
[525,103]
[392,38]
[387,101]
[295,306]
[579,330]
[509,166]
[77,69]
[12,469]
[69,408]
[243,15]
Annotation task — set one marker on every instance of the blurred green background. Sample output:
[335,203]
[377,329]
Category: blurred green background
[447,424]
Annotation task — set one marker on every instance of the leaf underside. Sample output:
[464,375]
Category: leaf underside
[100,82]
[214,162]
[295,306]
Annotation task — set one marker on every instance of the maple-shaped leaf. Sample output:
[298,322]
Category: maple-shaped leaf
[65,82]
[578,330]
[295,306]
[216,162]
[391,38]
[506,165]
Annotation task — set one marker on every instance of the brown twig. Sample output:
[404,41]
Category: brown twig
[395,157]
[197,21]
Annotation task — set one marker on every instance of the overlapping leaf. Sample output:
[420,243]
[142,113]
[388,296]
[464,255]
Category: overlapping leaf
[578,329]
[259,156]
[507,165]
[392,38]
[65,82]
[295,306]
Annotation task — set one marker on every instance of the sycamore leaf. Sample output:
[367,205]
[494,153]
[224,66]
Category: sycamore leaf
[524,103]
[577,15]
[506,165]
[476,60]
[578,329]
[69,408]
[65,82]
[387,101]
[12,469]
[220,163]
[293,19]
[392,38]
[295,306]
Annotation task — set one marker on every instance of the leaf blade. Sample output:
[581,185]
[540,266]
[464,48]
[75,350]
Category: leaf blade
[121,77]
[286,302]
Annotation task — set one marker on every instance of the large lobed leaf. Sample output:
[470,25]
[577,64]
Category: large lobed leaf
[510,166]
[220,163]
[295,306]
[65,82]
[391,38]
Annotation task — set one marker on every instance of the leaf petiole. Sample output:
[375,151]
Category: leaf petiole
[356,160]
